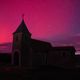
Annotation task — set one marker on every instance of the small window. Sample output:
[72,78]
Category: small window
[63,54]
[16,38]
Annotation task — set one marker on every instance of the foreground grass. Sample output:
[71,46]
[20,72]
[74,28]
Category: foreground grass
[38,73]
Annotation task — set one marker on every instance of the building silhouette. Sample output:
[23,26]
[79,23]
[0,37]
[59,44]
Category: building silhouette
[24,48]
[31,52]
[62,56]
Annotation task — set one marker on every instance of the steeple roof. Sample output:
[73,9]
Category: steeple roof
[22,28]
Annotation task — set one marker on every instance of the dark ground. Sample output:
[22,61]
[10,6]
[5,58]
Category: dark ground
[43,72]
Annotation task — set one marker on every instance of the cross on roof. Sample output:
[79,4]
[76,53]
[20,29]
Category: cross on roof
[23,16]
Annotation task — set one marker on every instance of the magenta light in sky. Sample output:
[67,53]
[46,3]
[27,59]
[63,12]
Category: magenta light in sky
[46,19]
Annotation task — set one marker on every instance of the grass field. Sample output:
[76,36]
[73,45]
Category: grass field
[39,73]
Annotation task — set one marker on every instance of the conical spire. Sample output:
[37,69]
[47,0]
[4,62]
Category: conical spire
[22,28]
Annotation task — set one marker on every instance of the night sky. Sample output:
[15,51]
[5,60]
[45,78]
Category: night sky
[48,20]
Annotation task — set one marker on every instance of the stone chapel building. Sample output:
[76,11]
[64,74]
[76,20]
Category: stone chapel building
[27,51]
[31,52]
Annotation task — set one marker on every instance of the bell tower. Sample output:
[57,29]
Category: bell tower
[21,49]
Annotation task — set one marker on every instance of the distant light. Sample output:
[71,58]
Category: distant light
[77,52]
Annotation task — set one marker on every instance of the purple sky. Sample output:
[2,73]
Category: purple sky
[47,20]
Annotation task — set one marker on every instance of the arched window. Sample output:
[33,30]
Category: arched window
[16,58]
